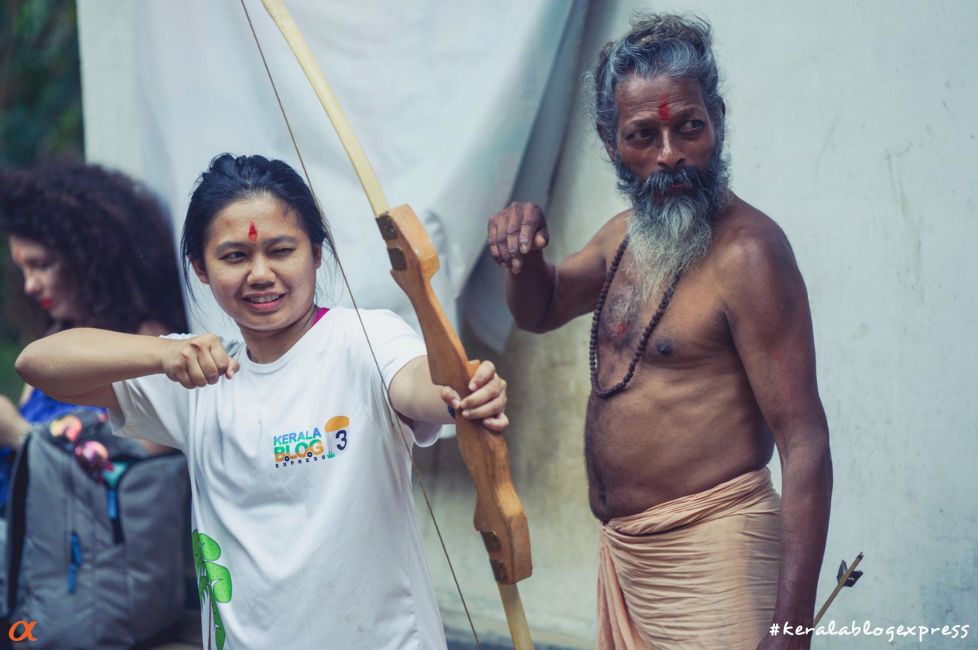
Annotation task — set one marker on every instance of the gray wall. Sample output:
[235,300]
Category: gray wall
[851,124]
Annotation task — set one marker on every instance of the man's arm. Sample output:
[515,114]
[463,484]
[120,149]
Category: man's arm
[543,296]
[767,309]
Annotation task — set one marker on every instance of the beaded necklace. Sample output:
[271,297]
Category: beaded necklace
[605,393]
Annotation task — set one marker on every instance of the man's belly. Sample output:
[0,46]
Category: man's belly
[656,442]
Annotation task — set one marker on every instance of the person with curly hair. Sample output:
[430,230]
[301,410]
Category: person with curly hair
[94,249]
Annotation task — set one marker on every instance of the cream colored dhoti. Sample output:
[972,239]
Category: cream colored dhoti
[700,571]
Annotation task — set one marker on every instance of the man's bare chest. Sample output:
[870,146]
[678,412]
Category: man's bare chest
[691,327]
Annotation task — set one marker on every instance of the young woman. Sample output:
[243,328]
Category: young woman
[305,528]
[94,249]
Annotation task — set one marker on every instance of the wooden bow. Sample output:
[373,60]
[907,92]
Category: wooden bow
[499,515]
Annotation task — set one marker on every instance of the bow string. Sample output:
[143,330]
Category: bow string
[499,515]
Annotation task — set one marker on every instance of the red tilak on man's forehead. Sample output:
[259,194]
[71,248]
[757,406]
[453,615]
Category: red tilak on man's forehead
[663,111]
[252,232]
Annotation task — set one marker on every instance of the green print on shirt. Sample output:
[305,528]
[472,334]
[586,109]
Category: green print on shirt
[214,581]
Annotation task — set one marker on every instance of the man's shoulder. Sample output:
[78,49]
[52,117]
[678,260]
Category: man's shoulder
[748,242]
[615,227]
[609,236]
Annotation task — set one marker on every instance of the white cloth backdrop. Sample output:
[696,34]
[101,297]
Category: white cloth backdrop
[443,96]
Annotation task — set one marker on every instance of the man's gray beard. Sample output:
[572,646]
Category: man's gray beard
[667,232]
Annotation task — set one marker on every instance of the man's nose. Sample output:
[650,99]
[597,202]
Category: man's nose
[670,155]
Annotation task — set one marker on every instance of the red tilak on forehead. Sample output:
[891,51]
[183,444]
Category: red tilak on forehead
[252,232]
[663,111]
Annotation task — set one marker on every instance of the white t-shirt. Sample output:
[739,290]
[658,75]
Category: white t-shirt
[302,481]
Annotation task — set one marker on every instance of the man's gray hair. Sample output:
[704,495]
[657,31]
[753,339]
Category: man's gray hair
[678,46]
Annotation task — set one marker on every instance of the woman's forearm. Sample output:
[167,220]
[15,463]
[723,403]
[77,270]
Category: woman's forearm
[78,360]
[414,396]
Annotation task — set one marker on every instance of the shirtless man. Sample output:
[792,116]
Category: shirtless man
[685,410]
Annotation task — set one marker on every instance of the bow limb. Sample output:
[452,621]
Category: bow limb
[499,515]
[371,186]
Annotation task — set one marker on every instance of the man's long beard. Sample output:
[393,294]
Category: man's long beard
[670,231]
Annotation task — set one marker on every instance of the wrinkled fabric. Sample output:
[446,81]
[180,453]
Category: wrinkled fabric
[700,571]
[443,79]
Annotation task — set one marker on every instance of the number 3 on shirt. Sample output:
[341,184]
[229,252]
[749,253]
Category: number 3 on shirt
[336,426]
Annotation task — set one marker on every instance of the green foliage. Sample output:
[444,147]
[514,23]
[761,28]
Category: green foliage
[40,81]
[10,383]
[40,113]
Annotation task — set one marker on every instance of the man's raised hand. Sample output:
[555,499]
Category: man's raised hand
[516,231]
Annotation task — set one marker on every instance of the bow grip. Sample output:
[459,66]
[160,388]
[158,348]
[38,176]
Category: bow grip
[499,514]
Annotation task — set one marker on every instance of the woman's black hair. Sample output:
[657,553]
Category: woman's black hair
[111,236]
[235,178]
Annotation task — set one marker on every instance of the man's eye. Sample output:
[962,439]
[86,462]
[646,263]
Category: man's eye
[642,134]
[692,125]
[233,256]
[281,252]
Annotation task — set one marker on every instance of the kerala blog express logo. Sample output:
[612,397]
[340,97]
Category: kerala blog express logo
[312,445]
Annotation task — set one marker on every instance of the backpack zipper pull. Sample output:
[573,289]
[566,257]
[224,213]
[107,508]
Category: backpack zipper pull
[76,562]
[113,503]
[111,476]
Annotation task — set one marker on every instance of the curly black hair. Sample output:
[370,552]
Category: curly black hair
[111,235]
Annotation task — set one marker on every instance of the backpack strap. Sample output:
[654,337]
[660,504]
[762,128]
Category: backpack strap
[16,525]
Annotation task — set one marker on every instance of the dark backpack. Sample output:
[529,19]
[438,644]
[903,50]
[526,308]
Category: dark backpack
[95,552]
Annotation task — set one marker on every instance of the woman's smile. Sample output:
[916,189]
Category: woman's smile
[265,302]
